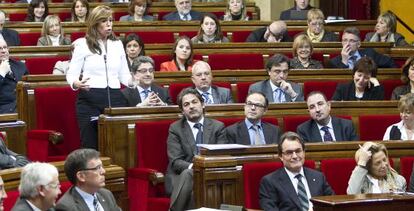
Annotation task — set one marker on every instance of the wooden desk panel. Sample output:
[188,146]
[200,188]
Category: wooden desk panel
[16,132]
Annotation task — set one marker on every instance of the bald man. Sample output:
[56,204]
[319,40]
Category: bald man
[275,32]
[202,78]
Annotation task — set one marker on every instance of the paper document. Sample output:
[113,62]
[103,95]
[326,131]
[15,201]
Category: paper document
[222,146]
[205,208]
[339,21]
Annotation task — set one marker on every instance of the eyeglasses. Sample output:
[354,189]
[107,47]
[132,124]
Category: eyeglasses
[54,185]
[4,48]
[143,70]
[350,41]
[317,23]
[96,168]
[289,153]
[256,105]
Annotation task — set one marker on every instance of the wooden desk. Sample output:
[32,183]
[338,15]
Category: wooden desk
[16,132]
[364,202]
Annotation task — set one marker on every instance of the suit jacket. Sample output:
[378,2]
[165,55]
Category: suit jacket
[11,37]
[258,36]
[285,15]
[73,201]
[8,86]
[221,95]
[238,133]
[133,97]
[131,18]
[6,157]
[400,90]
[343,129]
[181,145]
[266,89]
[22,205]
[397,38]
[277,192]
[346,92]
[174,16]
[43,41]
[381,60]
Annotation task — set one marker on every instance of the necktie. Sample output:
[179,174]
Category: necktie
[95,203]
[199,136]
[352,61]
[303,197]
[145,92]
[257,138]
[206,98]
[185,17]
[277,95]
[327,136]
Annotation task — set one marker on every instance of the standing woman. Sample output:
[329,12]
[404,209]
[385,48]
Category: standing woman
[52,33]
[182,56]
[37,11]
[79,11]
[100,58]
[137,10]
[134,47]
[236,10]
[302,53]
[210,31]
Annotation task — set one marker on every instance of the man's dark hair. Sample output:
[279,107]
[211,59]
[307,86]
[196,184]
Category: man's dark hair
[317,93]
[77,161]
[289,136]
[352,30]
[276,60]
[259,93]
[140,60]
[186,92]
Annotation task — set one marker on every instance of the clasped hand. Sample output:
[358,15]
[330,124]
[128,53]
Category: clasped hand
[4,68]
[152,100]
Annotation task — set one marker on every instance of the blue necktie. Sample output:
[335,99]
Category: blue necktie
[257,137]
[206,98]
[185,17]
[146,93]
[352,61]
[199,136]
[327,136]
[277,95]
[303,197]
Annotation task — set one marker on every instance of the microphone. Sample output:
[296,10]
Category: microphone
[107,81]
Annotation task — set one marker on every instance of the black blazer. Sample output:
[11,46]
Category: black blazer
[238,133]
[277,192]
[343,129]
[174,16]
[6,160]
[258,36]
[346,92]
[11,37]
[381,60]
[133,97]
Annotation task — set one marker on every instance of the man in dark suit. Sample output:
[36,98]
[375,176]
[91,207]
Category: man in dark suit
[84,170]
[277,89]
[300,5]
[291,187]
[202,78]
[11,71]
[39,187]
[184,135]
[11,36]
[145,92]
[275,32]
[183,13]
[10,159]
[351,53]
[322,127]
[252,130]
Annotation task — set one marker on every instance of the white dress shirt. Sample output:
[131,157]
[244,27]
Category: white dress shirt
[88,198]
[93,65]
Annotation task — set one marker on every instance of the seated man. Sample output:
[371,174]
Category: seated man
[183,13]
[9,35]
[351,53]
[202,78]
[322,127]
[10,159]
[277,89]
[39,187]
[145,92]
[275,32]
[84,170]
[252,130]
[183,137]
[291,187]
[300,5]
[11,71]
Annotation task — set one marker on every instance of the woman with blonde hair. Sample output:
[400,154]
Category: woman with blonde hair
[373,173]
[386,30]
[302,53]
[236,10]
[403,130]
[210,31]
[100,58]
[316,27]
[52,33]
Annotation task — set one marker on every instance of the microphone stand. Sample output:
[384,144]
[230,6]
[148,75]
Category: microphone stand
[107,81]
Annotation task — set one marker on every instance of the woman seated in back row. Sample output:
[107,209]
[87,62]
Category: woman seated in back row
[52,33]
[236,10]
[364,85]
[373,173]
[79,11]
[316,31]
[407,77]
[37,11]
[302,54]
[182,56]
[403,130]
[137,10]
[210,31]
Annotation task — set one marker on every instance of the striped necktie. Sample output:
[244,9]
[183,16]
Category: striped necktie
[257,138]
[96,203]
[303,197]
[327,136]
[206,98]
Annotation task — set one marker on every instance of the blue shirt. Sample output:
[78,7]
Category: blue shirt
[252,131]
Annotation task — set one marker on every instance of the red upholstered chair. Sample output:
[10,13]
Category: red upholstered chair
[337,173]
[326,87]
[372,127]
[406,167]
[242,91]
[63,15]
[55,112]
[29,38]
[292,122]
[175,89]
[240,36]
[236,61]
[47,64]
[146,181]
[189,34]
[292,33]
[17,16]
[117,15]
[389,86]
[76,35]
[156,37]
[158,59]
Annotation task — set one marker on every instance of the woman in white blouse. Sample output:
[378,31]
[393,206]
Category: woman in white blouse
[403,130]
[52,33]
[97,69]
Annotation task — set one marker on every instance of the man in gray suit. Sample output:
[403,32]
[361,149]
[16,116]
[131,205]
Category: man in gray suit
[184,135]
[84,170]
[277,89]
[291,187]
[183,13]
[202,78]
[39,187]
[252,130]
[322,127]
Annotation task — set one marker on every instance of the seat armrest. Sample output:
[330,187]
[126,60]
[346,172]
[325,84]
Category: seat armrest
[50,135]
[155,177]
[38,142]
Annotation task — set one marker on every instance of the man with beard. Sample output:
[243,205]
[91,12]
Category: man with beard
[183,13]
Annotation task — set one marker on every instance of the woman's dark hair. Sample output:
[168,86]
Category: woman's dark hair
[218,34]
[85,3]
[365,65]
[133,3]
[132,36]
[189,61]
[30,10]
[404,73]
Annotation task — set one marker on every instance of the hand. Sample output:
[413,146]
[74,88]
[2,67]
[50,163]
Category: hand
[4,68]
[287,88]
[81,84]
[374,81]
[364,155]
[345,53]
[152,100]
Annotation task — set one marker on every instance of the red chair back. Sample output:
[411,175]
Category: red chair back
[389,86]
[47,64]
[176,88]
[29,38]
[242,91]
[292,122]
[158,59]
[326,87]
[235,61]
[406,164]
[240,36]
[372,127]
[337,173]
